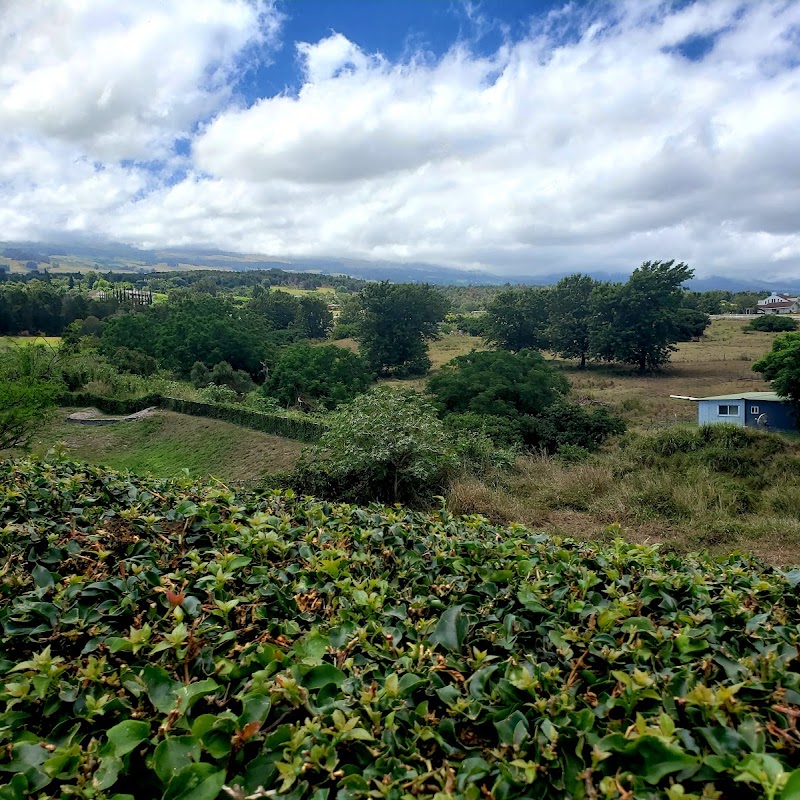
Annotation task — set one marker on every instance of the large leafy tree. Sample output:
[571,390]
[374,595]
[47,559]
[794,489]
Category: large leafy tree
[313,319]
[498,383]
[569,313]
[781,366]
[396,322]
[326,375]
[517,319]
[638,322]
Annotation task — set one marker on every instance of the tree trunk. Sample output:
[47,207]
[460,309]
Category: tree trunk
[583,361]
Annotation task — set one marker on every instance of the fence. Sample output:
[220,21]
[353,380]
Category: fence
[304,430]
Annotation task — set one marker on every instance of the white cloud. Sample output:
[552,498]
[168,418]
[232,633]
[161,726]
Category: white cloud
[120,80]
[590,143]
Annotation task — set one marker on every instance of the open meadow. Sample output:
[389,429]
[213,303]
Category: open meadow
[10,341]
[719,362]
[165,444]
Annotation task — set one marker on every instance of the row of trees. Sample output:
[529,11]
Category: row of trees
[637,322]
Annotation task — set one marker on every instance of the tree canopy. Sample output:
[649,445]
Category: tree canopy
[569,314]
[781,366]
[637,322]
[517,398]
[325,376]
[517,319]
[395,322]
[498,383]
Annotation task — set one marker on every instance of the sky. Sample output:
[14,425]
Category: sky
[513,136]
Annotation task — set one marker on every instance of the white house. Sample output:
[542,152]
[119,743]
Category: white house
[778,303]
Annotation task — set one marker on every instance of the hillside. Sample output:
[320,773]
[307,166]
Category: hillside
[167,443]
[176,639]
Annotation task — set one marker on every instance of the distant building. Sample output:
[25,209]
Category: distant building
[778,303]
[765,410]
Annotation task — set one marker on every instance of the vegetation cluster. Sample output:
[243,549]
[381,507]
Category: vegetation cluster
[177,640]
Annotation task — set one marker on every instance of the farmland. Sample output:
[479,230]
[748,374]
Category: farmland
[281,647]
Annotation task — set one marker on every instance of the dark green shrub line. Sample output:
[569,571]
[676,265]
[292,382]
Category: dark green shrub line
[300,429]
[175,640]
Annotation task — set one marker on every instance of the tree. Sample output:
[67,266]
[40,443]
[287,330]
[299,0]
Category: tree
[313,318]
[327,375]
[278,309]
[498,383]
[637,322]
[28,387]
[569,313]
[396,321]
[385,445]
[781,366]
[691,323]
[517,398]
[517,319]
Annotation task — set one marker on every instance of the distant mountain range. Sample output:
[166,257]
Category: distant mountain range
[81,255]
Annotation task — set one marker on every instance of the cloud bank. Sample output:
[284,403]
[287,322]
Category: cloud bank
[599,137]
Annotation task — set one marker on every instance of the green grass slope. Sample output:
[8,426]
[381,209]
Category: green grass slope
[167,443]
[178,640]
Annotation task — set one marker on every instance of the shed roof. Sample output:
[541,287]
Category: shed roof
[764,397]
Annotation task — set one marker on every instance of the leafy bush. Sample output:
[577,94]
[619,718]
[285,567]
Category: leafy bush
[29,384]
[498,383]
[215,393]
[384,445]
[134,361]
[565,423]
[501,430]
[181,640]
[772,323]
[258,401]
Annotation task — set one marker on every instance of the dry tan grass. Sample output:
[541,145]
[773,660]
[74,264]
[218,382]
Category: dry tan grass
[720,363]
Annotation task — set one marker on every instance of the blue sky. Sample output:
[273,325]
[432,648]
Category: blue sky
[508,135]
[395,28]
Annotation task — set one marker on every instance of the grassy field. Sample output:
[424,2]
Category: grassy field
[167,443]
[717,364]
[329,290]
[720,363]
[7,341]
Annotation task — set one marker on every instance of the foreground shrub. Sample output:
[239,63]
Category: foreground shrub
[180,640]
[386,445]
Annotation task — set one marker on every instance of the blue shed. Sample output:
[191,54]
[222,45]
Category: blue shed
[750,409]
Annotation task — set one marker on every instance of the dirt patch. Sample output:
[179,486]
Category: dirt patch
[92,416]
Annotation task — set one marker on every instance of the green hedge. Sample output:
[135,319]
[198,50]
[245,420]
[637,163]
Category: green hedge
[304,430]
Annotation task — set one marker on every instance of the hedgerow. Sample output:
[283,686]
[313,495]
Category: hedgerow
[292,427]
[177,640]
